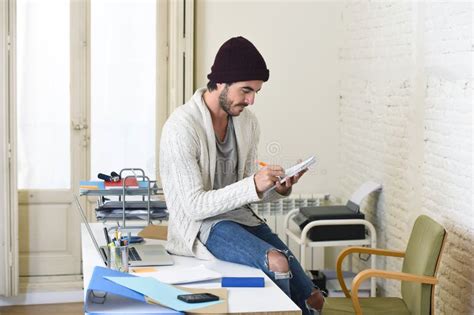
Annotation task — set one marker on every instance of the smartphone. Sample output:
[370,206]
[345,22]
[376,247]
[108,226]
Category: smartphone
[198,297]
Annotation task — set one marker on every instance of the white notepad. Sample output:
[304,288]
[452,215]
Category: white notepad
[295,169]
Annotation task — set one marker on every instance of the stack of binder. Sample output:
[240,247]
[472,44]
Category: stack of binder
[112,210]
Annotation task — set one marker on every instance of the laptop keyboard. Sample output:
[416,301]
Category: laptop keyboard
[133,254]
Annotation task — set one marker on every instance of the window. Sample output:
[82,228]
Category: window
[43,101]
[123,85]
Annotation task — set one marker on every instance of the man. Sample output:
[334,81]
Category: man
[210,176]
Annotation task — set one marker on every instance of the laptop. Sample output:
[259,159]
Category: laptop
[139,255]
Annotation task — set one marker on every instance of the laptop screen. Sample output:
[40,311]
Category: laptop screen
[100,250]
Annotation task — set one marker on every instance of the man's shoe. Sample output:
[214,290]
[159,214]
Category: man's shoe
[315,301]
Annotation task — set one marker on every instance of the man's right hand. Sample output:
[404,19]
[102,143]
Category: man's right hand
[266,177]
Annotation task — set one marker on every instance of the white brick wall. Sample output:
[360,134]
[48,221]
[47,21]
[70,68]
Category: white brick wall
[406,121]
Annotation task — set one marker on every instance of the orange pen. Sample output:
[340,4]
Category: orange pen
[263,164]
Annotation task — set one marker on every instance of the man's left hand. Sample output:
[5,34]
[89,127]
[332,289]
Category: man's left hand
[285,188]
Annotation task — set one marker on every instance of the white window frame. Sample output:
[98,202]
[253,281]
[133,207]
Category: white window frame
[9,277]
[175,60]
[181,53]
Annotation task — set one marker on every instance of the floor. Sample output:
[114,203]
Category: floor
[44,309]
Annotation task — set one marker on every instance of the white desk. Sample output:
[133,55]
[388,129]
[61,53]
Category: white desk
[267,300]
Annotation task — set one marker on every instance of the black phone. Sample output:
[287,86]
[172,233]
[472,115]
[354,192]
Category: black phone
[198,297]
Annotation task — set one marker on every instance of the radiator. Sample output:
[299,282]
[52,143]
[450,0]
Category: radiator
[288,204]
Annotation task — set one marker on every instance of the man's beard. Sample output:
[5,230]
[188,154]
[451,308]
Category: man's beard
[225,103]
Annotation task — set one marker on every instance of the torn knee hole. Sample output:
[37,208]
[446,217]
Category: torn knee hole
[277,261]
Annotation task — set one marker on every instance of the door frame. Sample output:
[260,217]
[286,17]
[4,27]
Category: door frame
[9,268]
[174,87]
[40,263]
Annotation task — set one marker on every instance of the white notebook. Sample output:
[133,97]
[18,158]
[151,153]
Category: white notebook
[295,169]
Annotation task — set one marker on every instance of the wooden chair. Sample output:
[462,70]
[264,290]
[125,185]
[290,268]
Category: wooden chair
[418,276]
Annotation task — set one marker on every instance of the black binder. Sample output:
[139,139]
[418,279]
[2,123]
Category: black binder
[331,232]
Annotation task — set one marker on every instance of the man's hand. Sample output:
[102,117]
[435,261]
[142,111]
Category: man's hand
[267,177]
[271,175]
[284,189]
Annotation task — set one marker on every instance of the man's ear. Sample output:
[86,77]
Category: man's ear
[220,86]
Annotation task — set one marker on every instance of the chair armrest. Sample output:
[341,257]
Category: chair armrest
[362,250]
[369,273]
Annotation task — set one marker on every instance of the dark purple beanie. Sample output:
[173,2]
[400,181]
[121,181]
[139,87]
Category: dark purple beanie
[238,60]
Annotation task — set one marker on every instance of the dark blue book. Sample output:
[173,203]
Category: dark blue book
[248,282]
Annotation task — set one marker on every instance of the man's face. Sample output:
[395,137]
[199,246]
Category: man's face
[235,97]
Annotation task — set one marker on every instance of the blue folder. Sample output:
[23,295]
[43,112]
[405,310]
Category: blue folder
[100,284]
[99,299]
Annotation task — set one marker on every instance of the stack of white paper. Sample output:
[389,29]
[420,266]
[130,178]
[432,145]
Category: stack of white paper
[182,275]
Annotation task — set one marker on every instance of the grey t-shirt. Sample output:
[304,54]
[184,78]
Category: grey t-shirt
[226,174]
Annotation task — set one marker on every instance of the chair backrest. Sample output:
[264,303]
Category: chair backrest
[421,258]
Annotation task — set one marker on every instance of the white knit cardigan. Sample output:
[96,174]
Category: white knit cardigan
[187,167]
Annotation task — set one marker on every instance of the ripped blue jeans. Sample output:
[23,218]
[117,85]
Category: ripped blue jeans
[249,245]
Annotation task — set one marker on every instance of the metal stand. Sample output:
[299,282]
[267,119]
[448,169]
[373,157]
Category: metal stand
[301,238]
[151,189]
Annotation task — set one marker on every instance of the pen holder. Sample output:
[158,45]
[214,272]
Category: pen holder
[119,258]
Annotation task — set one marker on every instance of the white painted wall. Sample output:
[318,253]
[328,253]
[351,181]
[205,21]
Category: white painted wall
[406,119]
[297,107]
